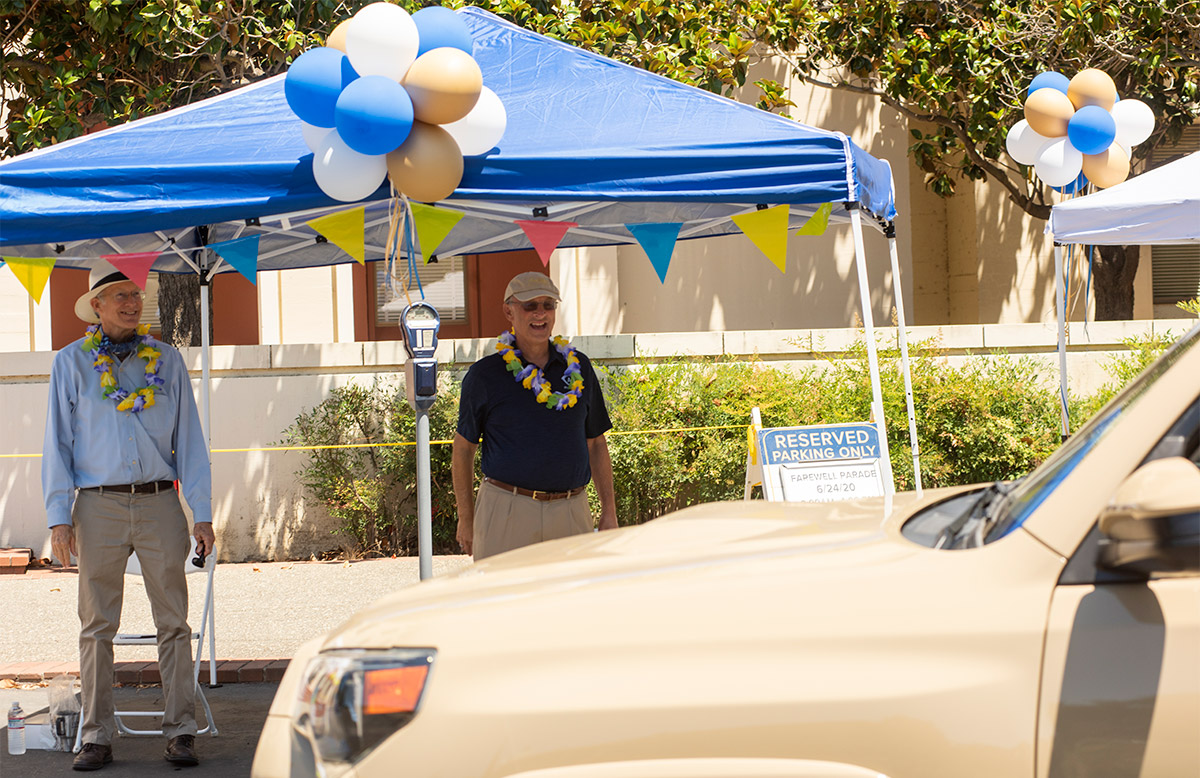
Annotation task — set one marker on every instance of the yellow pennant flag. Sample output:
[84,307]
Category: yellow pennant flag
[817,223]
[768,229]
[33,273]
[344,229]
[433,225]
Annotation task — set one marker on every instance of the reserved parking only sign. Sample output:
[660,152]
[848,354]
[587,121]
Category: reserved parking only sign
[822,463]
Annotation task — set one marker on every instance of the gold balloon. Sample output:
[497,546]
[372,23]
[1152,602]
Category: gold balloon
[444,85]
[1108,168]
[428,166]
[1048,111]
[1092,87]
[337,38]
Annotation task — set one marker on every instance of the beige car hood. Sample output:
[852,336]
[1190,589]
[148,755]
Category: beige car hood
[690,542]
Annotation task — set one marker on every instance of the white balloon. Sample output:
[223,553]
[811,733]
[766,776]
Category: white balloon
[482,128]
[1135,122]
[1058,163]
[382,40]
[1024,144]
[313,135]
[343,173]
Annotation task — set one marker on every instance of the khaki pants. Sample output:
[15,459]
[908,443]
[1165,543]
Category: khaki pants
[504,521]
[108,527]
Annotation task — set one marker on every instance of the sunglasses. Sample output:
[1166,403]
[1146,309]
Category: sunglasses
[533,305]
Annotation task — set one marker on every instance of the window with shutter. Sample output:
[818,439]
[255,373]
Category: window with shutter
[1175,270]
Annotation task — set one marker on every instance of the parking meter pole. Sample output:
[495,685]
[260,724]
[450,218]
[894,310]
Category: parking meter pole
[424,501]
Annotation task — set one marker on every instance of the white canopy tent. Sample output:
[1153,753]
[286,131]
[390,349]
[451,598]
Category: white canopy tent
[1160,207]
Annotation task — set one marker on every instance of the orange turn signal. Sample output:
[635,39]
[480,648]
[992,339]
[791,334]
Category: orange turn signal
[394,689]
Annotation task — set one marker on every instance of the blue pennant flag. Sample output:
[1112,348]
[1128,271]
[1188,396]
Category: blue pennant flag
[242,253]
[658,241]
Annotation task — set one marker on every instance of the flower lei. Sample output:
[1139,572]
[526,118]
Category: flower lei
[101,349]
[531,378]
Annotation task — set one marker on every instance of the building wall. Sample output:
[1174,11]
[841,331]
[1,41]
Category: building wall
[259,505]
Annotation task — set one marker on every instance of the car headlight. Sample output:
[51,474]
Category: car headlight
[351,700]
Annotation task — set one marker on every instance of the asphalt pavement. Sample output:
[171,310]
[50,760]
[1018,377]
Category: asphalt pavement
[264,611]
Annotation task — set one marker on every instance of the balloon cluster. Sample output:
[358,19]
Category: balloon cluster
[393,95]
[1078,130]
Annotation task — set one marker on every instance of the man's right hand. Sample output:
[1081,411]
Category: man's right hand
[465,535]
[62,543]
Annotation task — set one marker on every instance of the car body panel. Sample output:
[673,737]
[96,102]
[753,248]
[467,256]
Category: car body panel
[1118,698]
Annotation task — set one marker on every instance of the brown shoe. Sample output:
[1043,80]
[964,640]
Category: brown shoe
[92,756]
[181,750]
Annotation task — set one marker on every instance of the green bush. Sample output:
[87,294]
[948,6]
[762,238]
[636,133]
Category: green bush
[680,431]
[371,489]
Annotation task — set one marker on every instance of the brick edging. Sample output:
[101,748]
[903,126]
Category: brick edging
[134,672]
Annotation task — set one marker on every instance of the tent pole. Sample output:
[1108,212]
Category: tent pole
[206,422]
[889,482]
[904,366]
[1060,308]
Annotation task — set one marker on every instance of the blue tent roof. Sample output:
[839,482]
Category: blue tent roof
[588,138]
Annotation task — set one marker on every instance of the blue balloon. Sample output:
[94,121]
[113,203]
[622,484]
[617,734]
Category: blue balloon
[438,27]
[314,82]
[374,115]
[1050,79]
[1075,187]
[1091,129]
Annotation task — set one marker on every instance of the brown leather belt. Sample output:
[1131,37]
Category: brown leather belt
[154,487]
[536,494]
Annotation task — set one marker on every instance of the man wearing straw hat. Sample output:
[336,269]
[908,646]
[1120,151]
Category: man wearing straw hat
[121,429]
[538,408]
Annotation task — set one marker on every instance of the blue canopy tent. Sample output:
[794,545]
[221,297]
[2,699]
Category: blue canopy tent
[588,140]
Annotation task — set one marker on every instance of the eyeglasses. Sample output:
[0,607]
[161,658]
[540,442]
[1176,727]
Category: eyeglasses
[123,297]
[533,305]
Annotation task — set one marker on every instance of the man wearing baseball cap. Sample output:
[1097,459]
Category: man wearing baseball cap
[121,429]
[537,406]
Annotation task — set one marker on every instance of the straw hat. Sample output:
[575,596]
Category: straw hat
[102,276]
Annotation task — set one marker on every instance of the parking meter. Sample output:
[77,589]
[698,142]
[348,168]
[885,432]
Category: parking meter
[420,323]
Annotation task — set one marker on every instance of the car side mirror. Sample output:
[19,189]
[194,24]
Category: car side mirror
[1153,522]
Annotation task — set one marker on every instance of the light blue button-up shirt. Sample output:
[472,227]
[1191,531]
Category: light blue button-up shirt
[90,443]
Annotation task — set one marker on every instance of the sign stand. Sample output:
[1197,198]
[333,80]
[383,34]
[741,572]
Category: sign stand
[819,463]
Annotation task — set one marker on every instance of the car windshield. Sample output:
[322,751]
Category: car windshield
[1028,494]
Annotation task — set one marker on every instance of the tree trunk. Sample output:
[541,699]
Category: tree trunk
[179,309]
[1114,269]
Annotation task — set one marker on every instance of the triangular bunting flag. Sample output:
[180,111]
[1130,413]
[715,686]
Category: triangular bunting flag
[658,241]
[136,267]
[344,229]
[433,225]
[33,273]
[242,253]
[545,236]
[817,223]
[768,229]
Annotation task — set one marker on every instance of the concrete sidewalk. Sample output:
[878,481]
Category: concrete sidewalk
[264,611]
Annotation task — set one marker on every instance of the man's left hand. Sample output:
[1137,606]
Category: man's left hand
[608,519]
[206,541]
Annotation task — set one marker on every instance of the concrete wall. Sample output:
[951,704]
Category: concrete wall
[260,507]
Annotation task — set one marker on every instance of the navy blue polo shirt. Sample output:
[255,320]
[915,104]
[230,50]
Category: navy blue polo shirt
[525,443]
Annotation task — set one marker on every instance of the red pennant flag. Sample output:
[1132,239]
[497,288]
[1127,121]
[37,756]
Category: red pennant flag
[136,267]
[545,236]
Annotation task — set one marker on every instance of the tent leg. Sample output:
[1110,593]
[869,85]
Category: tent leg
[1060,308]
[860,258]
[904,366]
[206,422]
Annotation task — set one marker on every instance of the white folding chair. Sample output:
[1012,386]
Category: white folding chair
[134,567]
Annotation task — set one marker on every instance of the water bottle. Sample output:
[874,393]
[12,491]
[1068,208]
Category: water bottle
[16,730]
